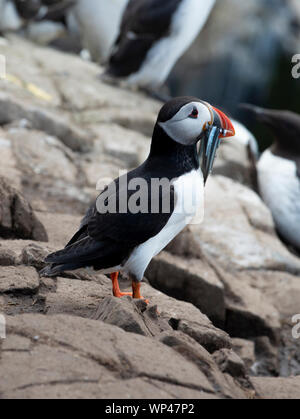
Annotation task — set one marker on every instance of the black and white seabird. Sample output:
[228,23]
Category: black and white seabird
[97,22]
[278,171]
[14,14]
[42,9]
[138,214]
[153,36]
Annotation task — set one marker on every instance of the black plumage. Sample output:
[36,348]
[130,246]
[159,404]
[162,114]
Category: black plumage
[285,127]
[144,22]
[43,9]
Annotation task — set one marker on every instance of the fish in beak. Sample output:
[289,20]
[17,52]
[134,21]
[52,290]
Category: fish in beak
[220,128]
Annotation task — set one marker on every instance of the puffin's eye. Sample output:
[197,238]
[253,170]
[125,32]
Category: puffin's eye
[195,113]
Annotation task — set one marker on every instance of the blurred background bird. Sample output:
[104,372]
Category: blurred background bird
[153,36]
[278,171]
[97,23]
[40,20]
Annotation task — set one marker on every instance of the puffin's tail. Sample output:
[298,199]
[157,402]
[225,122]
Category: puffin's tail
[52,270]
[74,256]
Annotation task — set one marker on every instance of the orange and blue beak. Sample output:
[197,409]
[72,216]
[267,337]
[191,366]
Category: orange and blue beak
[220,128]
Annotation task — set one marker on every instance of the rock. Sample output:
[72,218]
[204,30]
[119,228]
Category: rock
[18,280]
[245,349]
[267,357]
[281,288]
[229,362]
[17,218]
[240,233]
[277,388]
[248,312]
[133,150]
[79,298]
[40,153]
[289,350]
[234,162]
[189,280]
[34,255]
[140,120]
[43,120]
[185,346]
[7,257]
[8,165]
[186,318]
[80,351]
[60,227]
[132,316]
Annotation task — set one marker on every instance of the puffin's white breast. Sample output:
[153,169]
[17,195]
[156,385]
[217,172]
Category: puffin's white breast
[280,189]
[189,208]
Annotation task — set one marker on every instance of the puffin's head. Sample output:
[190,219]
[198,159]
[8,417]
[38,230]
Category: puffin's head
[187,120]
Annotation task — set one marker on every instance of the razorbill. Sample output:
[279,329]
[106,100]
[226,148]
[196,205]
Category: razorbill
[279,171]
[138,214]
[97,22]
[153,36]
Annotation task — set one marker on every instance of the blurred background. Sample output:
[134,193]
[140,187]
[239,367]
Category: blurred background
[244,54]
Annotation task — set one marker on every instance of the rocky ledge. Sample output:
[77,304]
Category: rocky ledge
[220,324]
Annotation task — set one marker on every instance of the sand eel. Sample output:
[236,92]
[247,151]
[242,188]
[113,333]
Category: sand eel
[138,214]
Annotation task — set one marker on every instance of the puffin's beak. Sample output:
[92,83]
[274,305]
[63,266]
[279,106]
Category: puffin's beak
[226,124]
[221,128]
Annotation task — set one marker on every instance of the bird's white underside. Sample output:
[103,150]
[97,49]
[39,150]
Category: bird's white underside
[186,24]
[280,189]
[189,208]
[98,23]
[9,18]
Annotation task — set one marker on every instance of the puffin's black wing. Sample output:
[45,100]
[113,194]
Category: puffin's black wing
[105,239]
[143,23]
[130,228]
[82,232]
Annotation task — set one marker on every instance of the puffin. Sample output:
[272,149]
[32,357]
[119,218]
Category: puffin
[154,34]
[138,214]
[278,171]
[97,23]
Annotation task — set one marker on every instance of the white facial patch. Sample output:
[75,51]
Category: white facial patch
[184,129]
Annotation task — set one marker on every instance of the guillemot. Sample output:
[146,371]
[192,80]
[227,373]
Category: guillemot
[153,36]
[278,171]
[97,22]
[138,214]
